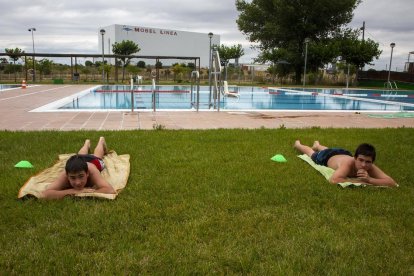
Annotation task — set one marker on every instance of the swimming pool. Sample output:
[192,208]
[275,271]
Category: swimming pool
[9,86]
[250,98]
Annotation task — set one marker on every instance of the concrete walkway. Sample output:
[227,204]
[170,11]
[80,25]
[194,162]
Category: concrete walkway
[15,106]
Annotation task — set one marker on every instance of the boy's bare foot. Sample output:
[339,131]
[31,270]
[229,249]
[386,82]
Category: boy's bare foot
[297,143]
[315,146]
[102,140]
[88,144]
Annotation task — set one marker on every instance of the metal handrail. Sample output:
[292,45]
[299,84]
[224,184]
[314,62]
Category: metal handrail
[132,95]
[196,76]
[388,85]
[153,95]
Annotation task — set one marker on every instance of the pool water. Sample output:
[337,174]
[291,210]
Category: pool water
[386,95]
[250,98]
[9,86]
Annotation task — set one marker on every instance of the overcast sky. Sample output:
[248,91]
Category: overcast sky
[71,26]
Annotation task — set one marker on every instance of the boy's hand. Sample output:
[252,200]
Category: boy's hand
[363,175]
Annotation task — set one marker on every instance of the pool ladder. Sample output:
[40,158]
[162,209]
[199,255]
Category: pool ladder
[75,103]
[388,85]
[195,83]
[139,102]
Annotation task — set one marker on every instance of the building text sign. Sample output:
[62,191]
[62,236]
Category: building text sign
[154,31]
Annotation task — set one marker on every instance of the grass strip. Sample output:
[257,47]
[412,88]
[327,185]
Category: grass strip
[211,202]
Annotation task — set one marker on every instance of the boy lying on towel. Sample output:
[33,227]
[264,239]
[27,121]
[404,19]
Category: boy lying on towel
[82,174]
[360,167]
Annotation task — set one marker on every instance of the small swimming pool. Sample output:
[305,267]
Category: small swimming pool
[250,98]
[9,86]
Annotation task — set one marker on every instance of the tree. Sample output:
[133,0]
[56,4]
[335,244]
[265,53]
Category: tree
[125,48]
[44,66]
[86,71]
[88,63]
[107,70]
[226,53]
[141,64]
[238,53]
[178,70]
[357,52]
[3,63]
[133,70]
[285,24]
[158,65]
[14,55]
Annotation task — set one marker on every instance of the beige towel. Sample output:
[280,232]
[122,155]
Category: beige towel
[116,172]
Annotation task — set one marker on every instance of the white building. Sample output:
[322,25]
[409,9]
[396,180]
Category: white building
[160,42]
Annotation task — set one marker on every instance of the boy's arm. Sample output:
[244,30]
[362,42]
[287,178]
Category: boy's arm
[58,194]
[59,188]
[97,180]
[376,177]
[342,173]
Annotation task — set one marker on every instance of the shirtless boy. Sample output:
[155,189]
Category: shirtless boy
[82,174]
[357,169]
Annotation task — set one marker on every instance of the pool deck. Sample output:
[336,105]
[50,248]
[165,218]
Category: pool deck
[15,105]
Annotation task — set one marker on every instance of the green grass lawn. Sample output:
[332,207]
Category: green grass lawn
[211,202]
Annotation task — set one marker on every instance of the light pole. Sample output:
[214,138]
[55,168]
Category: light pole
[408,68]
[392,45]
[210,36]
[34,67]
[306,60]
[409,54]
[363,30]
[102,31]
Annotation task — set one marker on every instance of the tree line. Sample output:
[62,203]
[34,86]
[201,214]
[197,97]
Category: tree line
[282,29]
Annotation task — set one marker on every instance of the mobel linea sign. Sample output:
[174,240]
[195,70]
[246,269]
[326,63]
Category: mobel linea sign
[153,31]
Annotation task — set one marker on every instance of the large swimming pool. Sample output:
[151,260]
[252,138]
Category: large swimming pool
[250,98]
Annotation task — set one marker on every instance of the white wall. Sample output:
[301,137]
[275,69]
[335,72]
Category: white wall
[161,42]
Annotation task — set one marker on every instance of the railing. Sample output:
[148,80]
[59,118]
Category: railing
[153,88]
[195,75]
[132,95]
[388,85]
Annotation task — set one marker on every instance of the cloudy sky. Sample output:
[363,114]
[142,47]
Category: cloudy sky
[71,26]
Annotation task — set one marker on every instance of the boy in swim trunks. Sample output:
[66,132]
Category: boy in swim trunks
[357,169]
[82,174]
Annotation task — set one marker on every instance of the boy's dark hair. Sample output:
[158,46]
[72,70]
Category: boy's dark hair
[76,164]
[367,150]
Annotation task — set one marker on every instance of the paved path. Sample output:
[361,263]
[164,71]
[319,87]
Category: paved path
[16,104]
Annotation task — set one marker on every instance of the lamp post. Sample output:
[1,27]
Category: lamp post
[392,45]
[306,60]
[210,36]
[409,54]
[363,30]
[34,67]
[102,31]
[408,68]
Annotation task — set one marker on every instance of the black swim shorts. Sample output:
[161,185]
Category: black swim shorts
[322,157]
